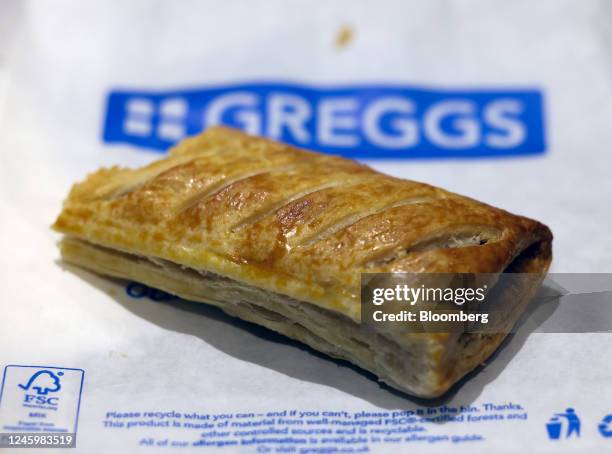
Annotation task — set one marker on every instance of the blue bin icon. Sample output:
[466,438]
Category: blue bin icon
[554,428]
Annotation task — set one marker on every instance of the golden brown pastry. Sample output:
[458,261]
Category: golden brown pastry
[279,236]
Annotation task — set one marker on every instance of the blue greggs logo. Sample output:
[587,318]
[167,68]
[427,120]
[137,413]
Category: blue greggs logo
[366,121]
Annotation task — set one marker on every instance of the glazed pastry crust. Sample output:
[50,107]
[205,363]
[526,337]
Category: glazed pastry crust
[301,225]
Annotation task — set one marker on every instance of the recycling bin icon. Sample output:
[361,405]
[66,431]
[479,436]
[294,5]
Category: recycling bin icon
[553,427]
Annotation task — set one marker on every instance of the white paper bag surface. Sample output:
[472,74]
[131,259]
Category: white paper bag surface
[133,371]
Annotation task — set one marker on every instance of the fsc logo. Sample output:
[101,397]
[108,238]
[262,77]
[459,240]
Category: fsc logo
[37,399]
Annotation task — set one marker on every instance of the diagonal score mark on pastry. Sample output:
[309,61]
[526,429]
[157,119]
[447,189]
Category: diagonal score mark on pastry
[181,154]
[352,218]
[235,179]
[118,188]
[249,200]
[457,237]
[270,210]
[168,193]
[371,237]
[307,217]
[229,180]
[233,248]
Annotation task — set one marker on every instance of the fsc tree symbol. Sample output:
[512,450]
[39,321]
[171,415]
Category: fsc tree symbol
[43,382]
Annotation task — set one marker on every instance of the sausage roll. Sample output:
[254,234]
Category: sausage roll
[280,237]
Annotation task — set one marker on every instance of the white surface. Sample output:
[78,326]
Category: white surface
[137,354]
